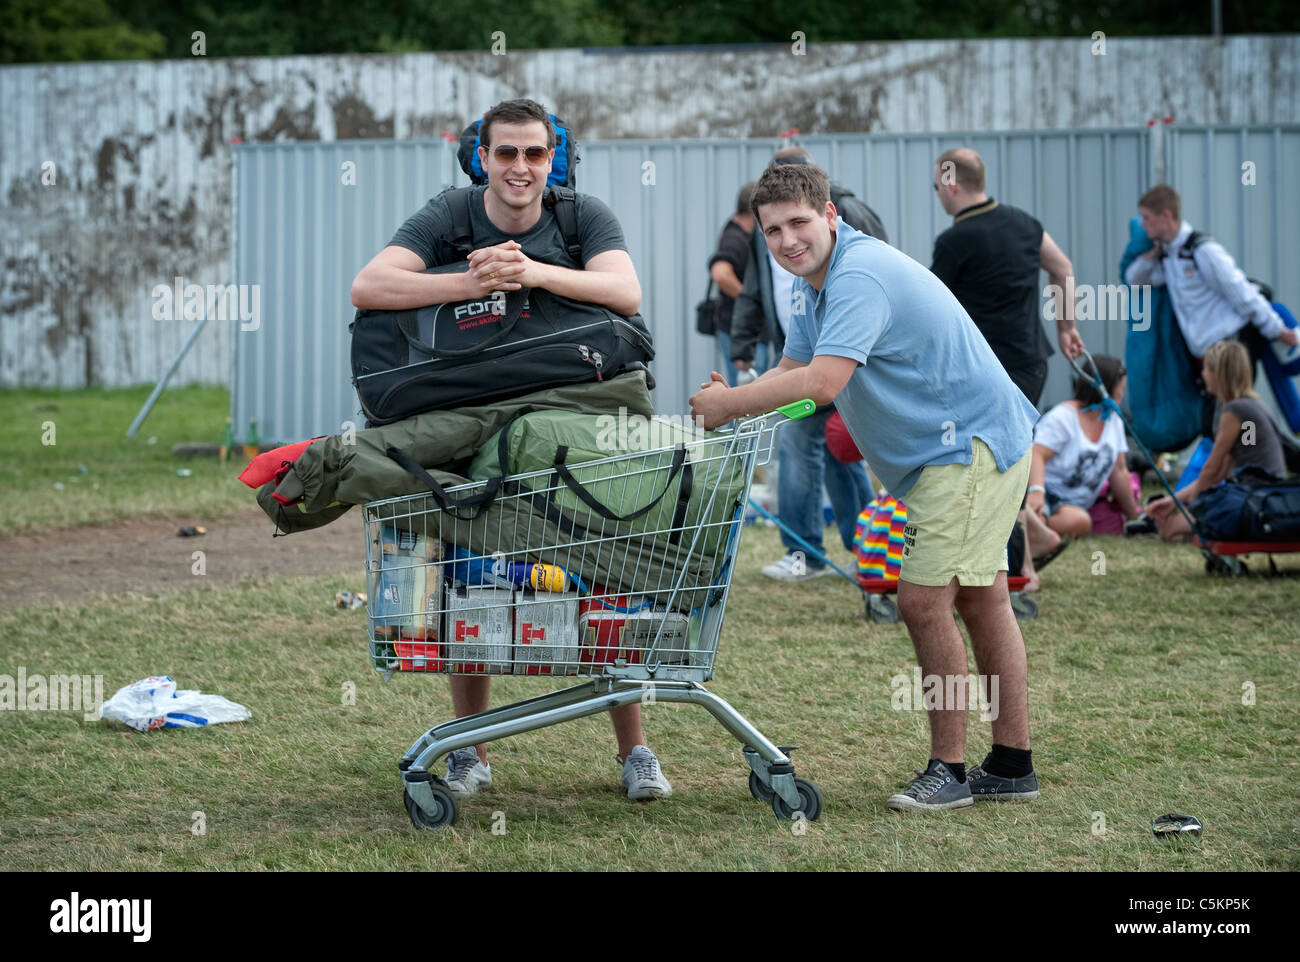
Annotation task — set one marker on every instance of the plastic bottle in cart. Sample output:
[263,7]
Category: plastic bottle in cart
[475,571]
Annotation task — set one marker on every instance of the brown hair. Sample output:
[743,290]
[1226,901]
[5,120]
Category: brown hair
[967,166]
[1111,370]
[516,112]
[1160,198]
[1230,362]
[797,183]
[744,198]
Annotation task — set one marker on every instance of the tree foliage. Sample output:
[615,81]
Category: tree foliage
[71,30]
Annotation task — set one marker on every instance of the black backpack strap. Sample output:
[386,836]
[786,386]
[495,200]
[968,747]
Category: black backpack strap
[561,201]
[459,241]
[478,502]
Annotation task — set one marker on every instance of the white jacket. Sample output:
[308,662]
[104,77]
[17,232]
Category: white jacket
[1211,297]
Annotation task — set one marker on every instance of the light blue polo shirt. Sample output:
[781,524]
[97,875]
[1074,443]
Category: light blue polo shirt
[927,382]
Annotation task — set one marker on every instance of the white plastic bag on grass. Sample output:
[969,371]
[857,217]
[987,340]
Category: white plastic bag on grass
[155,702]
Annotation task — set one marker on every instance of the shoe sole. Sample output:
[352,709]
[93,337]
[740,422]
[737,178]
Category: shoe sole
[1006,797]
[648,794]
[902,803]
[807,576]
[466,793]
[461,790]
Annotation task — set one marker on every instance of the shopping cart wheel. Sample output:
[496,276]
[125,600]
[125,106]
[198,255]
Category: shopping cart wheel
[758,789]
[445,813]
[808,794]
[881,610]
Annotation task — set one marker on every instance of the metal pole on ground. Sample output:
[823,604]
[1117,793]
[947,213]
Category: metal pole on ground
[162,382]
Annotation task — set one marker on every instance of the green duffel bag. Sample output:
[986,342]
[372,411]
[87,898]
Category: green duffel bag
[672,482]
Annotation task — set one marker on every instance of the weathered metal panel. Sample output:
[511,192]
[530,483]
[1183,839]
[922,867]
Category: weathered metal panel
[141,149]
[303,235]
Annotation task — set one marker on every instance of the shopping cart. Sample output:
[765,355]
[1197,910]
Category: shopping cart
[534,574]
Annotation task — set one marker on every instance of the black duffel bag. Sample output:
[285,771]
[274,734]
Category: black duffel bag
[1252,505]
[1271,512]
[476,351]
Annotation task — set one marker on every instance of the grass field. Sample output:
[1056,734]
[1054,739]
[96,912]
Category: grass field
[92,473]
[1136,709]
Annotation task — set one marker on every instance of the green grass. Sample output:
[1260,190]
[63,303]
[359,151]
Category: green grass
[1135,698]
[103,475]
[1136,683]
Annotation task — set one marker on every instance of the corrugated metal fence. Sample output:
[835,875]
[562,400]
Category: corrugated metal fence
[302,231]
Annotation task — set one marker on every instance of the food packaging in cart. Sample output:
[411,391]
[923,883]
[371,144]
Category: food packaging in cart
[546,633]
[406,585]
[600,626]
[479,631]
[668,631]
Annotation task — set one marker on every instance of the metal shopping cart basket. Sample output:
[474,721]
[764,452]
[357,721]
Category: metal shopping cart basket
[615,571]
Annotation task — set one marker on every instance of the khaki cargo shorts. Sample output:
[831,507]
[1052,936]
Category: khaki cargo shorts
[959,517]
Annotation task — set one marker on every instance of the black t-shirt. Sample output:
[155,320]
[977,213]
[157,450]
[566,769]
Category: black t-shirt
[990,259]
[598,231]
[733,247]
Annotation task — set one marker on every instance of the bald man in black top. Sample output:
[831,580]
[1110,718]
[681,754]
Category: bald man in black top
[990,258]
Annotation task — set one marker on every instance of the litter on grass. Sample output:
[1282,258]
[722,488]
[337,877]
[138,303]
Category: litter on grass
[349,600]
[155,702]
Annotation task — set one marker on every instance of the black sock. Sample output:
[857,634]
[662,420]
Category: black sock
[958,769]
[1009,762]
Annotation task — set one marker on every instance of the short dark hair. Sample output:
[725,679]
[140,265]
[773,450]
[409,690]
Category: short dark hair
[745,197]
[1111,370]
[1160,198]
[798,183]
[516,112]
[967,166]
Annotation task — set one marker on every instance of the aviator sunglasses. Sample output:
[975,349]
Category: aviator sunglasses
[506,154]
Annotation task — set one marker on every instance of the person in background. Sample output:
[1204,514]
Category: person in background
[1078,446]
[727,268]
[1246,438]
[990,258]
[1211,297]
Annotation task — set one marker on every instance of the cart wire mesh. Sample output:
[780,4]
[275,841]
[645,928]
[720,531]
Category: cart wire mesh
[629,581]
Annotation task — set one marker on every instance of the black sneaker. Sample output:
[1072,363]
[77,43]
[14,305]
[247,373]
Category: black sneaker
[933,790]
[985,787]
[1142,524]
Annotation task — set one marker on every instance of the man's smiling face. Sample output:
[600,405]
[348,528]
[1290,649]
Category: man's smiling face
[516,182]
[800,238]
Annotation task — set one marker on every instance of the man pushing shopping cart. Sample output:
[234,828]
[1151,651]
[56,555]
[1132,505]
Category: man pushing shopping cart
[943,426]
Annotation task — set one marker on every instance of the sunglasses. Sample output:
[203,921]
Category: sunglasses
[506,154]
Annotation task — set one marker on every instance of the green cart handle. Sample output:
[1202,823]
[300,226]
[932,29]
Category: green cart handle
[797,410]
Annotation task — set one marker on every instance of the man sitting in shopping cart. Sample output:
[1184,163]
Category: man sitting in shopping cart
[518,243]
[943,427]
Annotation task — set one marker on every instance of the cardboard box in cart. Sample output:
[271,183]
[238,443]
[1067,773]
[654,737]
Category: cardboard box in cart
[479,631]
[406,595]
[546,633]
[610,636]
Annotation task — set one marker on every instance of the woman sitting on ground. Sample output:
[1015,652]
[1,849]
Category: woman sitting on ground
[1078,445]
[1245,438]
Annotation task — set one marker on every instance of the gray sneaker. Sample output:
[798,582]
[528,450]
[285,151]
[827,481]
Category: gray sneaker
[933,790]
[466,774]
[642,777]
[994,788]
